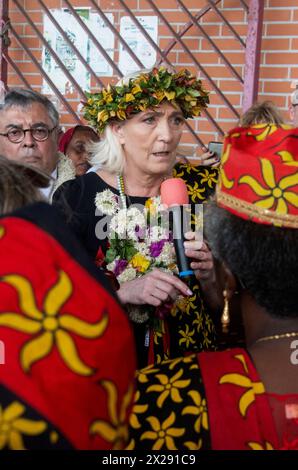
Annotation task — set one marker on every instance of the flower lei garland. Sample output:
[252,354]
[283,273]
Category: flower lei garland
[148,90]
[138,243]
[65,170]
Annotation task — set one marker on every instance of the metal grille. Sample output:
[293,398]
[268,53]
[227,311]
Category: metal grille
[216,39]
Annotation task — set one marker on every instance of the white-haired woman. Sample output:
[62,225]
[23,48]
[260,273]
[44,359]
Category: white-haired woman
[141,122]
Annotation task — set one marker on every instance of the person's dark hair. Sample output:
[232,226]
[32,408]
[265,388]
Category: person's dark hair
[264,258]
[19,185]
[86,128]
[259,113]
[23,98]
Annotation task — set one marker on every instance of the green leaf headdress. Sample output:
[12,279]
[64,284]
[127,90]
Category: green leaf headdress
[183,90]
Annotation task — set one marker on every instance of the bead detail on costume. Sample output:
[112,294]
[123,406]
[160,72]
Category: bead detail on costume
[120,185]
[291,334]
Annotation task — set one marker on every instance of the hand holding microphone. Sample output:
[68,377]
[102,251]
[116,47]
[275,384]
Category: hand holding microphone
[174,195]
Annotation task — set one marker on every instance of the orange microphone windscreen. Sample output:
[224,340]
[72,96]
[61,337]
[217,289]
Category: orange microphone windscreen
[173,192]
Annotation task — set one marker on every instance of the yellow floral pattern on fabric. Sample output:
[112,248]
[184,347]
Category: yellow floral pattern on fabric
[187,336]
[170,409]
[209,177]
[286,156]
[51,327]
[195,192]
[137,409]
[2,232]
[225,181]
[115,431]
[252,388]
[13,425]
[199,408]
[258,446]
[163,433]
[276,195]
[164,423]
[264,131]
[169,387]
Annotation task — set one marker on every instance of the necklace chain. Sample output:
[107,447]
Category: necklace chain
[121,189]
[291,334]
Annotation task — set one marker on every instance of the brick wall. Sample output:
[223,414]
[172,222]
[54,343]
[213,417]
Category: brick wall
[278,58]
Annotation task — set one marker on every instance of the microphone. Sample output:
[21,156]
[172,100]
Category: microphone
[174,195]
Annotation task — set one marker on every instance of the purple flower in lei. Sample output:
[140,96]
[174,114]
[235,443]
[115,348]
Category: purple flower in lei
[140,232]
[120,266]
[156,248]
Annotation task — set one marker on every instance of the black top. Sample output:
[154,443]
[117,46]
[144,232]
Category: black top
[49,219]
[76,198]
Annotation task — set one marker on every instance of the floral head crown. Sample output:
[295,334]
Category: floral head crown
[147,90]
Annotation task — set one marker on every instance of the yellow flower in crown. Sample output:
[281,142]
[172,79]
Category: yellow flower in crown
[277,194]
[107,95]
[13,425]
[140,263]
[103,116]
[159,95]
[147,90]
[49,327]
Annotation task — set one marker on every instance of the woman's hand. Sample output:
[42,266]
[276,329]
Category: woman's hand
[202,260]
[154,288]
[203,266]
[208,158]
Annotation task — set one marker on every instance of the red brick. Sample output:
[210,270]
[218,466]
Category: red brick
[222,36]
[230,85]
[283,29]
[278,58]
[277,87]
[202,58]
[223,44]
[286,3]
[277,15]
[273,72]
[240,28]
[279,100]
[274,44]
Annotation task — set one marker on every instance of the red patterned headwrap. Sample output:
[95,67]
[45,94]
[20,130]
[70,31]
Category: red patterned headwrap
[259,174]
[68,135]
[67,376]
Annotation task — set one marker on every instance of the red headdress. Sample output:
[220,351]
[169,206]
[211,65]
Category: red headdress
[259,174]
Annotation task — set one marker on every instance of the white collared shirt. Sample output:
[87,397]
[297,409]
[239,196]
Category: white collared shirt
[48,191]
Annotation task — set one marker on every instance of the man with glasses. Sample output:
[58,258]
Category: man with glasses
[29,124]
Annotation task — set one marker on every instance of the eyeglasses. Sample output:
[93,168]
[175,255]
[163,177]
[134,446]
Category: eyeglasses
[39,134]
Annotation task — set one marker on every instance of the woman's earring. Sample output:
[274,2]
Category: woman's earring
[225,317]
